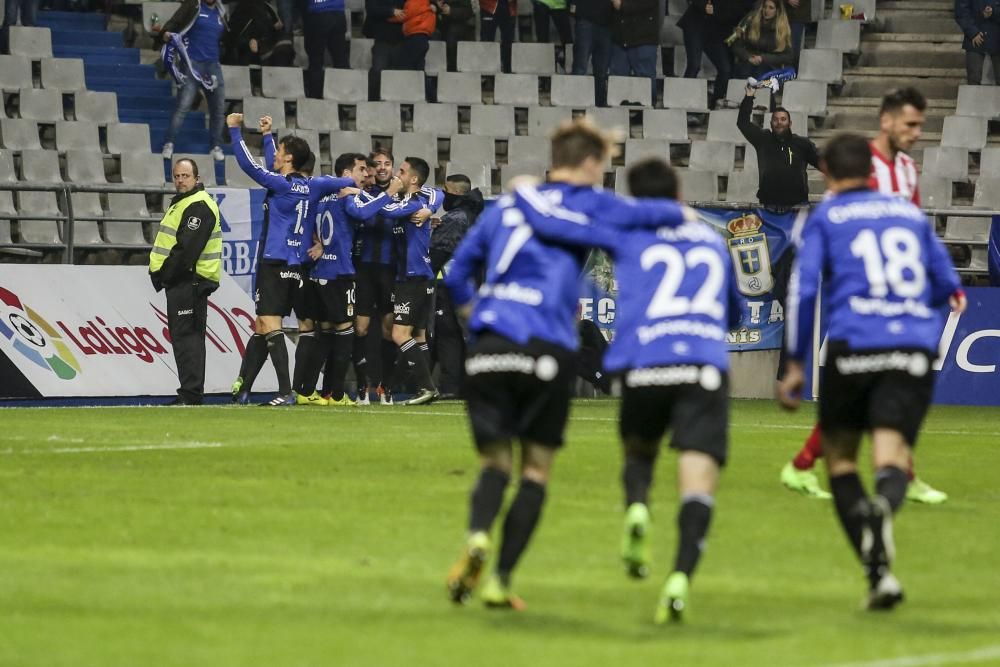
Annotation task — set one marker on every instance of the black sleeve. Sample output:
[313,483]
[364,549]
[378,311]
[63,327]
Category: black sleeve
[184,15]
[379,9]
[197,223]
[745,123]
[811,152]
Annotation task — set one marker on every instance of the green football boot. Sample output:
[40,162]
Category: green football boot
[803,481]
[673,599]
[497,596]
[920,491]
[635,545]
[464,574]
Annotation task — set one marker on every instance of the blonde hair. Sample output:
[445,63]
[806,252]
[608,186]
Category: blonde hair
[782,31]
[576,140]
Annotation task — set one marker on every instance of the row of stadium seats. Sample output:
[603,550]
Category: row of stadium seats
[89,209]
[118,138]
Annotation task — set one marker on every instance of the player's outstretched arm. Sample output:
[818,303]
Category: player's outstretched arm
[274,182]
[364,207]
[553,222]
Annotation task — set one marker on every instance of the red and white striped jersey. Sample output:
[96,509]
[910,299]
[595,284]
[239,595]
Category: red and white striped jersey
[898,178]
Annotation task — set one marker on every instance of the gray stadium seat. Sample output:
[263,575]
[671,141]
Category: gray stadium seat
[543,120]
[527,58]
[237,82]
[7,174]
[254,108]
[283,83]
[687,94]
[30,42]
[311,137]
[670,34]
[967,228]
[528,149]
[742,187]
[610,119]
[206,166]
[670,124]
[17,134]
[989,162]
[437,57]
[516,89]
[572,91]
[839,35]
[805,96]
[621,181]
[987,193]
[415,144]
[826,65]
[799,119]
[473,148]
[63,74]
[736,91]
[707,71]
[6,208]
[951,162]
[935,191]
[42,105]
[698,186]
[164,10]
[346,86]
[350,142]
[492,120]
[236,177]
[79,134]
[15,73]
[87,211]
[378,117]
[85,166]
[981,101]
[638,149]
[40,167]
[403,86]
[318,115]
[459,88]
[714,156]
[126,205]
[480,173]
[750,159]
[142,169]
[439,119]
[361,56]
[509,171]
[128,138]
[629,89]
[39,231]
[479,57]
[98,107]
[965,131]
[722,126]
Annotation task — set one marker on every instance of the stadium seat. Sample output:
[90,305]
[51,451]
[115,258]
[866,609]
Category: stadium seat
[965,131]
[987,193]
[610,119]
[638,149]
[311,137]
[572,91]
[459,88]
[15,73]
[403,86]
[87,166]
[237,178]
[78,134]
[742,187]
[708,70]
[528,149]
[126,205]
[736,91]
[43,232]
[17,134]
[687,94]
[142,169]
[64,74]
[516,89]
[378,117]
[806,96]
[318,115]
[480,173]
[528,58]
[97,107]
[361,55]
[283,83]
[543,120]
[669,124]
[479,57]
[351,142]
[163,10]
[698,186]
[491,120]
[866,7]
[509,171]
[40,166]
[438,119]
[237,82]
[799,119]
[415,144]
[254,108]
[714,156]
[935,191]
[722,126]
[467,148]
[989,162]
[42,105]
[30,42]
[128,138]
[6,208]
[826,65]
[87,211]
[844,36]
[670,34]
[951,162]
[750,159]
[967,228]
[621,181]
[7,173]
[346,86]
[628,89]
[981,101]
[437,57]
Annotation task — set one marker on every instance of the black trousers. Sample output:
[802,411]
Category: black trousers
[324,32]
[187,316]
[383,55]
[449,343]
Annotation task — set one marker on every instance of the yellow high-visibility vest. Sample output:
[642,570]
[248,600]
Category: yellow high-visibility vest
[209,264]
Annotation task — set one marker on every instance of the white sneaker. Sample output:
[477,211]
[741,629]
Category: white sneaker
[168,150]
[216,153]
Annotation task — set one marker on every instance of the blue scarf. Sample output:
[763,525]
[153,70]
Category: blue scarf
[176,60]
[772,79]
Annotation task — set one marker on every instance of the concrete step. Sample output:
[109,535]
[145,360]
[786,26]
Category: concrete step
[858,120]
[918,22]
[875,85]
[906,54]
[916,5]
[923,38]
[908,72]
[946,105]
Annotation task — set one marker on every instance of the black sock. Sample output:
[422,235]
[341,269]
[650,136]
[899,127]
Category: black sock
[852,504]
[692,526]
[326,339]
[253,360]
[890,483]
[487,497]
[412,355]
[343,343]
[303,354]
[314,363]
[388,367]
[637,476]
[522,517]
[361,359]
[279,358]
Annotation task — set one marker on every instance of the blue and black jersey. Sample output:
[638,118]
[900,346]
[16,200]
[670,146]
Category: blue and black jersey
[374,243]
[413,243]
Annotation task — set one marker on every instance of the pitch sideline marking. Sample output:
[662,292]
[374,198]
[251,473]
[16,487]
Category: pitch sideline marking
[125,448]
[930,660]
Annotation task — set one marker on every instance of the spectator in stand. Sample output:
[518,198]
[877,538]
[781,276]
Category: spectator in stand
[635,39]
[455,24]
[764,40]
[386,35]
[255,37]
[558,12]
[200,25]
[502,15]
[980,21]
[325,30]
[26,9]
[705,25]
[419,22]
[286,12]
[592,43]
[799,14]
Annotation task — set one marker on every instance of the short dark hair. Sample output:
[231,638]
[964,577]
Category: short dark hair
[310,164]
[652,177]
[380,150]
[783,110]
[194,165]
[370,162]
[577,140]
[420,166]
[461,179]
[346,161]
[847,156]
[897,98]
[297,148]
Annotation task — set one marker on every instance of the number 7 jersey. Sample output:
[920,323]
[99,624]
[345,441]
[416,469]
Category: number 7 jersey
[885,275]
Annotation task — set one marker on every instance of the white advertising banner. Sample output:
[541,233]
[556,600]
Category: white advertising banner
[102,331]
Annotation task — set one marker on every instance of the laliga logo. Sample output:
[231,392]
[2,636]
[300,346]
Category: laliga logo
[35,338]
[962,353]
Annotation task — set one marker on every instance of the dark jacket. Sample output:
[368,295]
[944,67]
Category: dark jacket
[461,213]
[458,23]
[719,25]
[377,26]
[595,11]
[800,14]
[637,23]
[255,19]
[781,161]
[490,7]
[765,47]
[186,14]
[969,17]
[179,265]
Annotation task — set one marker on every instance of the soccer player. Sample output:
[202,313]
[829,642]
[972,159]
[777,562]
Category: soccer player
[885,276]
[278,278]
[901,119]
[677,300]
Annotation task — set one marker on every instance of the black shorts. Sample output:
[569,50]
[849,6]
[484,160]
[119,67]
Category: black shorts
[307,304]
[411,303]
[517,391]
[690,401]
[374,289]
[865,389]
[336,298]
[276,289]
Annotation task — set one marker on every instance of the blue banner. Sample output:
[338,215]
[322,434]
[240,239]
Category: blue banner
[242,213]
[969,354]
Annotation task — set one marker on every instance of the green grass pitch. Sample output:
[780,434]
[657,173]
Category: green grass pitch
[232,536]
